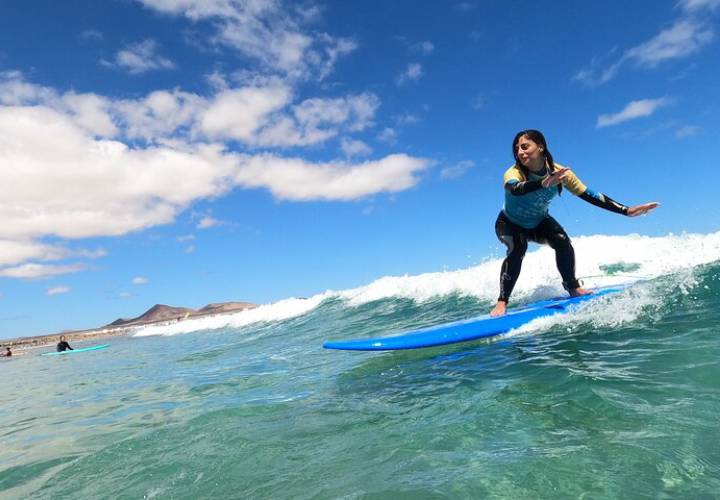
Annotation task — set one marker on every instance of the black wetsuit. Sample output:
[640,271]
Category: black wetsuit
[547,231]
[63,346]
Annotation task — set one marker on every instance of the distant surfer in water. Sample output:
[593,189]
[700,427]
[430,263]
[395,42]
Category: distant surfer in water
[530,185]
[63,345]
[7,353]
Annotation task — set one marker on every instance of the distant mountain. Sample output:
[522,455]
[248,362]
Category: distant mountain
[161,312]
[223,307]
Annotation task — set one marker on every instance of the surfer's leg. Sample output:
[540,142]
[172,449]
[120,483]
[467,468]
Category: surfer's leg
[514,238]
[551,232]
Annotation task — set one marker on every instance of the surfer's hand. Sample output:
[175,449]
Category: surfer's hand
[642,209]
[555,178]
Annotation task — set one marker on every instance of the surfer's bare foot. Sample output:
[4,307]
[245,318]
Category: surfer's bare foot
[577,292]
[499,309]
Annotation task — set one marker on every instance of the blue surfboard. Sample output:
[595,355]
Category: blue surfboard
[84,349]
[469,329]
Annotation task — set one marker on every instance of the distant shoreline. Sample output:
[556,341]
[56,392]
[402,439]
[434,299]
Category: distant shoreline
[23,344]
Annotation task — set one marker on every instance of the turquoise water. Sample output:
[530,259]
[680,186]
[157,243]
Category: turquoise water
[619,400]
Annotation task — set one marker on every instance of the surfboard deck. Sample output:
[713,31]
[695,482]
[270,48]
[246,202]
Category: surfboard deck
[84,349]
[470,329]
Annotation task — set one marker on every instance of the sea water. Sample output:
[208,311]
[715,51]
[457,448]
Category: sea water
[620,399]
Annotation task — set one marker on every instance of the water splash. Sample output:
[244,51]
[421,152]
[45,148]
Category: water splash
[599,260]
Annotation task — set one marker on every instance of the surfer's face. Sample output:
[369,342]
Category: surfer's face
[530,153]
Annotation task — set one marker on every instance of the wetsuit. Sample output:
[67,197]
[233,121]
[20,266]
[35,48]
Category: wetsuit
[63,346]
[525,218]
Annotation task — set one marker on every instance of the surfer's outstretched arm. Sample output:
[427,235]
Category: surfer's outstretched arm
[604,201]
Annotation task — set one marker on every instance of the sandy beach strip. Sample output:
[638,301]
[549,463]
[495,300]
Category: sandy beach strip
[22,345]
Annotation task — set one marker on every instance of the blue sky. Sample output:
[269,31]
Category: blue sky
[195,151]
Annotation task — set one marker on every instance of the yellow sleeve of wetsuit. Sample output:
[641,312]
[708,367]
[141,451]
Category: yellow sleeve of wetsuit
[574,184]
[513,173]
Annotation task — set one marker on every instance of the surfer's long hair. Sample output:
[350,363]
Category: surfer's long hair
[538,138]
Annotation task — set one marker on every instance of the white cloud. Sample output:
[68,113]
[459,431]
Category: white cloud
[207,222]
[685,37]
[457,170]
[407,119]
[258,116]
[31,271]
[298,180]
[140,280]
[184,238]
[90,35]
[17,252]
[197,9]
[698,5]
[267,31]
[217,81]
[240,113]
[316,120]
[89,254]
[358,110]
[687,131]
[633,110]
[73,167]
[14,90]
[89,112]
[426,47]
[60,181]
[351,147]
[412,73]
[387,136]
[57,290]
[478,102]
[332,50]
[140,57]
[159,115]
[593,75]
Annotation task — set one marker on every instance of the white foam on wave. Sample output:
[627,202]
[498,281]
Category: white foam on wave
[278,311]
[641,257]
[649,256]
[641,302]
